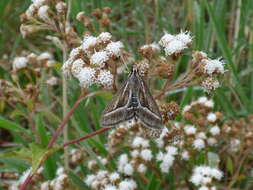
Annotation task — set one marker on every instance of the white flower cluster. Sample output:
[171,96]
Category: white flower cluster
[175,44]
[109,181]
[203,177]
[33,61]
[167,158]
[89,65]
[58,183]
[202,100]
[212,66]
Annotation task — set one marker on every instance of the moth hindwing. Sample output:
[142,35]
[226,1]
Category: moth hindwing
[133,101]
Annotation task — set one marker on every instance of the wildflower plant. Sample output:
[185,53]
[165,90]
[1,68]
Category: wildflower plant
[198,148]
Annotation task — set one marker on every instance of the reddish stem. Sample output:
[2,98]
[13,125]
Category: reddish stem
[64,122]
[86,137]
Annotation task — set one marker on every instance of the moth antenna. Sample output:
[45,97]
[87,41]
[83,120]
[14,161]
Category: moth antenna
[124,62]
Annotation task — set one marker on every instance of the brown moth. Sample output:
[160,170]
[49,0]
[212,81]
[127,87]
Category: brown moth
[133,101]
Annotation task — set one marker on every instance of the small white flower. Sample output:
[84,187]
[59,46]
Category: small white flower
[104,37]
[135,153]
[45,186]
[114,177]
[91,164]
[77,66]
[174,47]
[185,155]
[201,135]
[43,13]
[74,53]
[211,141]
[211,117]
[154,47]
[19,63]
[215,65]
[128,169]
[105,79]
[172,150]
[160,156]
[166,39]
[190,129]
[186,108]
[203,188]
[123,159]
[215,130]
[86,77]
[216,173]
[127,185]
[60,171]
[114,48]
[39,3]
[146,154]
[52,81]
[202,99]
[198,144]
[99,59]
[142,168]
[184,37]
[110,187]
[89,42]
[209,103]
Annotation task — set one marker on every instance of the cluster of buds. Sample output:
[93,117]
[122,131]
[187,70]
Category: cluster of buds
[106,180]
[33,62]
[239,133]
[100,15]
[49,15]
[94,61]
[61,181]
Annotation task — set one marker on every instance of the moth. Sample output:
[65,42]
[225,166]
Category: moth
[133,101]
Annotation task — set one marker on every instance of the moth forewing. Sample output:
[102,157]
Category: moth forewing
[116,111]
[148,111]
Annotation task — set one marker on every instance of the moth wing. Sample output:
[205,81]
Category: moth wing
[148,111]
[116,111]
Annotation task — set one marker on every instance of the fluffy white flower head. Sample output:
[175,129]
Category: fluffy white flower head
[89,42]
[214,65]
[86,77]
[166,39]
[211,117]
[99,58]
[114,48]
[105,79]
[215,130]
[174,47]
[104,37]
[198,144]
[127,185]
[190,130]
[77,66]
[146,154]
[184,37]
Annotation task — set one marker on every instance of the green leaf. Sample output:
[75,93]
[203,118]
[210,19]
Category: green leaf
[229,165]
[153,184]
[9,125]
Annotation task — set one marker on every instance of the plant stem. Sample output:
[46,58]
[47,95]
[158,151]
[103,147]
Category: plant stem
[99,131]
